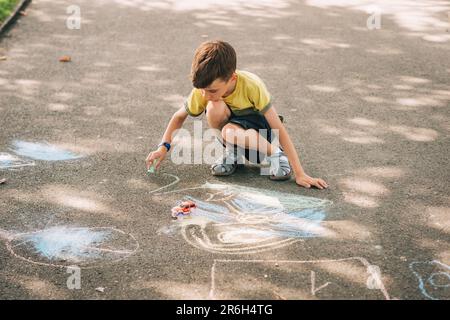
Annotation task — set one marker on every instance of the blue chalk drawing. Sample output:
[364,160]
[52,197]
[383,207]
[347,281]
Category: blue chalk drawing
[9,161]
[67,244]
[248,220]
[42,151]
[61,245]
[434,279]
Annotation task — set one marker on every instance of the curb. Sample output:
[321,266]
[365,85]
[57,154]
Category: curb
[13,17]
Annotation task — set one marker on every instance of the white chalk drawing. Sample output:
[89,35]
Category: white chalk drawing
[62,246]
[42,151]
[9,161]
[314,290]
[169,185]
[434,279]
[233,219]
[306,271]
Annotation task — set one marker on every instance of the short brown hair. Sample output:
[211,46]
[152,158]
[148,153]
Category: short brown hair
[212,60]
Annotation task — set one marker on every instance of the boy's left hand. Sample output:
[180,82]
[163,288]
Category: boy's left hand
[306,181]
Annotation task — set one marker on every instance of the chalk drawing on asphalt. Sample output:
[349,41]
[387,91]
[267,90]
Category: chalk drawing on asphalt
[434,279]
[303,278]
[233,219]
[62,246]
[9,161]
[42,151]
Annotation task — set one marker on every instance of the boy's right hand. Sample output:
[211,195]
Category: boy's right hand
[157,157]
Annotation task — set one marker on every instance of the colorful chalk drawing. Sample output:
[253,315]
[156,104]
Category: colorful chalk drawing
[42,151]
[9,161]
[434,279]
[249,220]
[365,279]
[233,219]
[64,246]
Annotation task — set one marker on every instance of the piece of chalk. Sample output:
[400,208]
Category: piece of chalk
[152,168]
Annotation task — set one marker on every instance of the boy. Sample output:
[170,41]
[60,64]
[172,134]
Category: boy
[238,104]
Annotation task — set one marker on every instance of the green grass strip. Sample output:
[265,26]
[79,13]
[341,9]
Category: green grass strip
[6,8]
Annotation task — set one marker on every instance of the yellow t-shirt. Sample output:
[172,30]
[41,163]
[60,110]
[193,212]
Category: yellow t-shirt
[249,97]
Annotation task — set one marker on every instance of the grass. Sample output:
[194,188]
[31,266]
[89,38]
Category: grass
[6,8]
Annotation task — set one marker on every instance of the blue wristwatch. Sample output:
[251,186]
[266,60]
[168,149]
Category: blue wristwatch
[165,144]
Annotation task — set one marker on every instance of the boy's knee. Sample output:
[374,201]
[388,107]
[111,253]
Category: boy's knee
[217,114]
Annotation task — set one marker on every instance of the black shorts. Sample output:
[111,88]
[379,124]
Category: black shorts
[253,121]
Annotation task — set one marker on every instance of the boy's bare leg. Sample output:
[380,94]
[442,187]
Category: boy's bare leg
[246,139]
[217,115]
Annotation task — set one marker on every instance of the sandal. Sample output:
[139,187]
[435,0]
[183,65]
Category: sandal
[280,169]
[223,168]
[228,164]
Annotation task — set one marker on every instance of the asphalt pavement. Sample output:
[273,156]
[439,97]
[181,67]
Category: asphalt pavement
[366,105]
